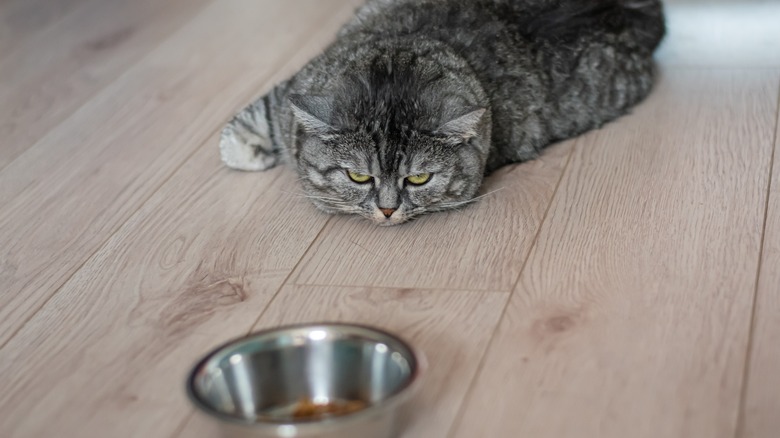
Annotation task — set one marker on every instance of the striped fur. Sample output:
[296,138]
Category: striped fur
[451,88]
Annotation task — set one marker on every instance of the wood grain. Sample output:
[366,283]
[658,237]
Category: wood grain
[196,265]
[762,396]
[632,316]
[451,328]
[70,192]
[52,75]
[633,254]
[479,248]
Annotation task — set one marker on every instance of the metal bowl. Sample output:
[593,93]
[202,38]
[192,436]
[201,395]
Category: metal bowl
[253,386]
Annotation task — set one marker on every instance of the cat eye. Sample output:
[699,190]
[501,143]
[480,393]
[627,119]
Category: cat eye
[359,177]
[418,180]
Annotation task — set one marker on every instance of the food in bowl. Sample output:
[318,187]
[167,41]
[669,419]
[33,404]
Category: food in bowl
[307,409]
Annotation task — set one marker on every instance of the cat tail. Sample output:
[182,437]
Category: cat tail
[249,141]
[567,19]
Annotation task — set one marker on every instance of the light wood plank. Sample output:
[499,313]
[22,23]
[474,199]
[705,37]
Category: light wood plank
[632,316]
[194,266]
[21,20]
[451,328]
[68,194]
[54,74]
[762,402]
[725,33]
[479,248]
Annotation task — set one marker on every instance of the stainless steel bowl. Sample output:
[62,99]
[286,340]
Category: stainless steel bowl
[251,386]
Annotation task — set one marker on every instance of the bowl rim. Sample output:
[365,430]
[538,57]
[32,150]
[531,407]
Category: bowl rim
[396,398]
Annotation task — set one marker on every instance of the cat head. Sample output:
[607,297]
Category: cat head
[390,152]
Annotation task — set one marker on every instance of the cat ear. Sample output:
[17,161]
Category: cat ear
[312,112]
[464,127]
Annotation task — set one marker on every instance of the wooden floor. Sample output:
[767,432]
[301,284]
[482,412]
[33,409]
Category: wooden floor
[626,284]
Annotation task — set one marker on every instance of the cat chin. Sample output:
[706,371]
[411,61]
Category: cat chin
[395,220]
[388,223]
[379,219]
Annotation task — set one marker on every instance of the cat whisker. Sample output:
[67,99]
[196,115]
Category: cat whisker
[492,192]
[323,199]
[314,197]
[456,205]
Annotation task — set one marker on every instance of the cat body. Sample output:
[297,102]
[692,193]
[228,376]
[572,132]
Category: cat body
[417,100]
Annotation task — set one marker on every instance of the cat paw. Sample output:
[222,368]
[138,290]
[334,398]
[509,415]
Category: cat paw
[245,143]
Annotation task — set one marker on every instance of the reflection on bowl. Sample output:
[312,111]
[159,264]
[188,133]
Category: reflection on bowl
[322,380]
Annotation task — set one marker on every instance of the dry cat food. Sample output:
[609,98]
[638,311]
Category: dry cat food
[306,409]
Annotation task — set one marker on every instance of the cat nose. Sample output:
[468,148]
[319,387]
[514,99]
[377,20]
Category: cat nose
[387,212]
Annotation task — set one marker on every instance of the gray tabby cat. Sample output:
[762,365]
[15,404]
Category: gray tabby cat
[417,100]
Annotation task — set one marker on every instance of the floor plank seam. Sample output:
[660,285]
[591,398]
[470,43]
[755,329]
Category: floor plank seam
[327,221]
[67,119]
[421,289]
[289,275]
[180,429]
[99,90]
[654,239]
[480,366]
[108,238]
[183,425]
[265,83]
[740,425]
[258,84]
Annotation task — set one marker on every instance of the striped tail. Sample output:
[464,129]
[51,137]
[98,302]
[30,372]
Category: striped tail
[247,141]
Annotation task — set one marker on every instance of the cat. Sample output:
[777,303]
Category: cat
[418,100]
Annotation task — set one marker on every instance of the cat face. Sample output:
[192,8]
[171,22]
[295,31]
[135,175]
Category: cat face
[388,176]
